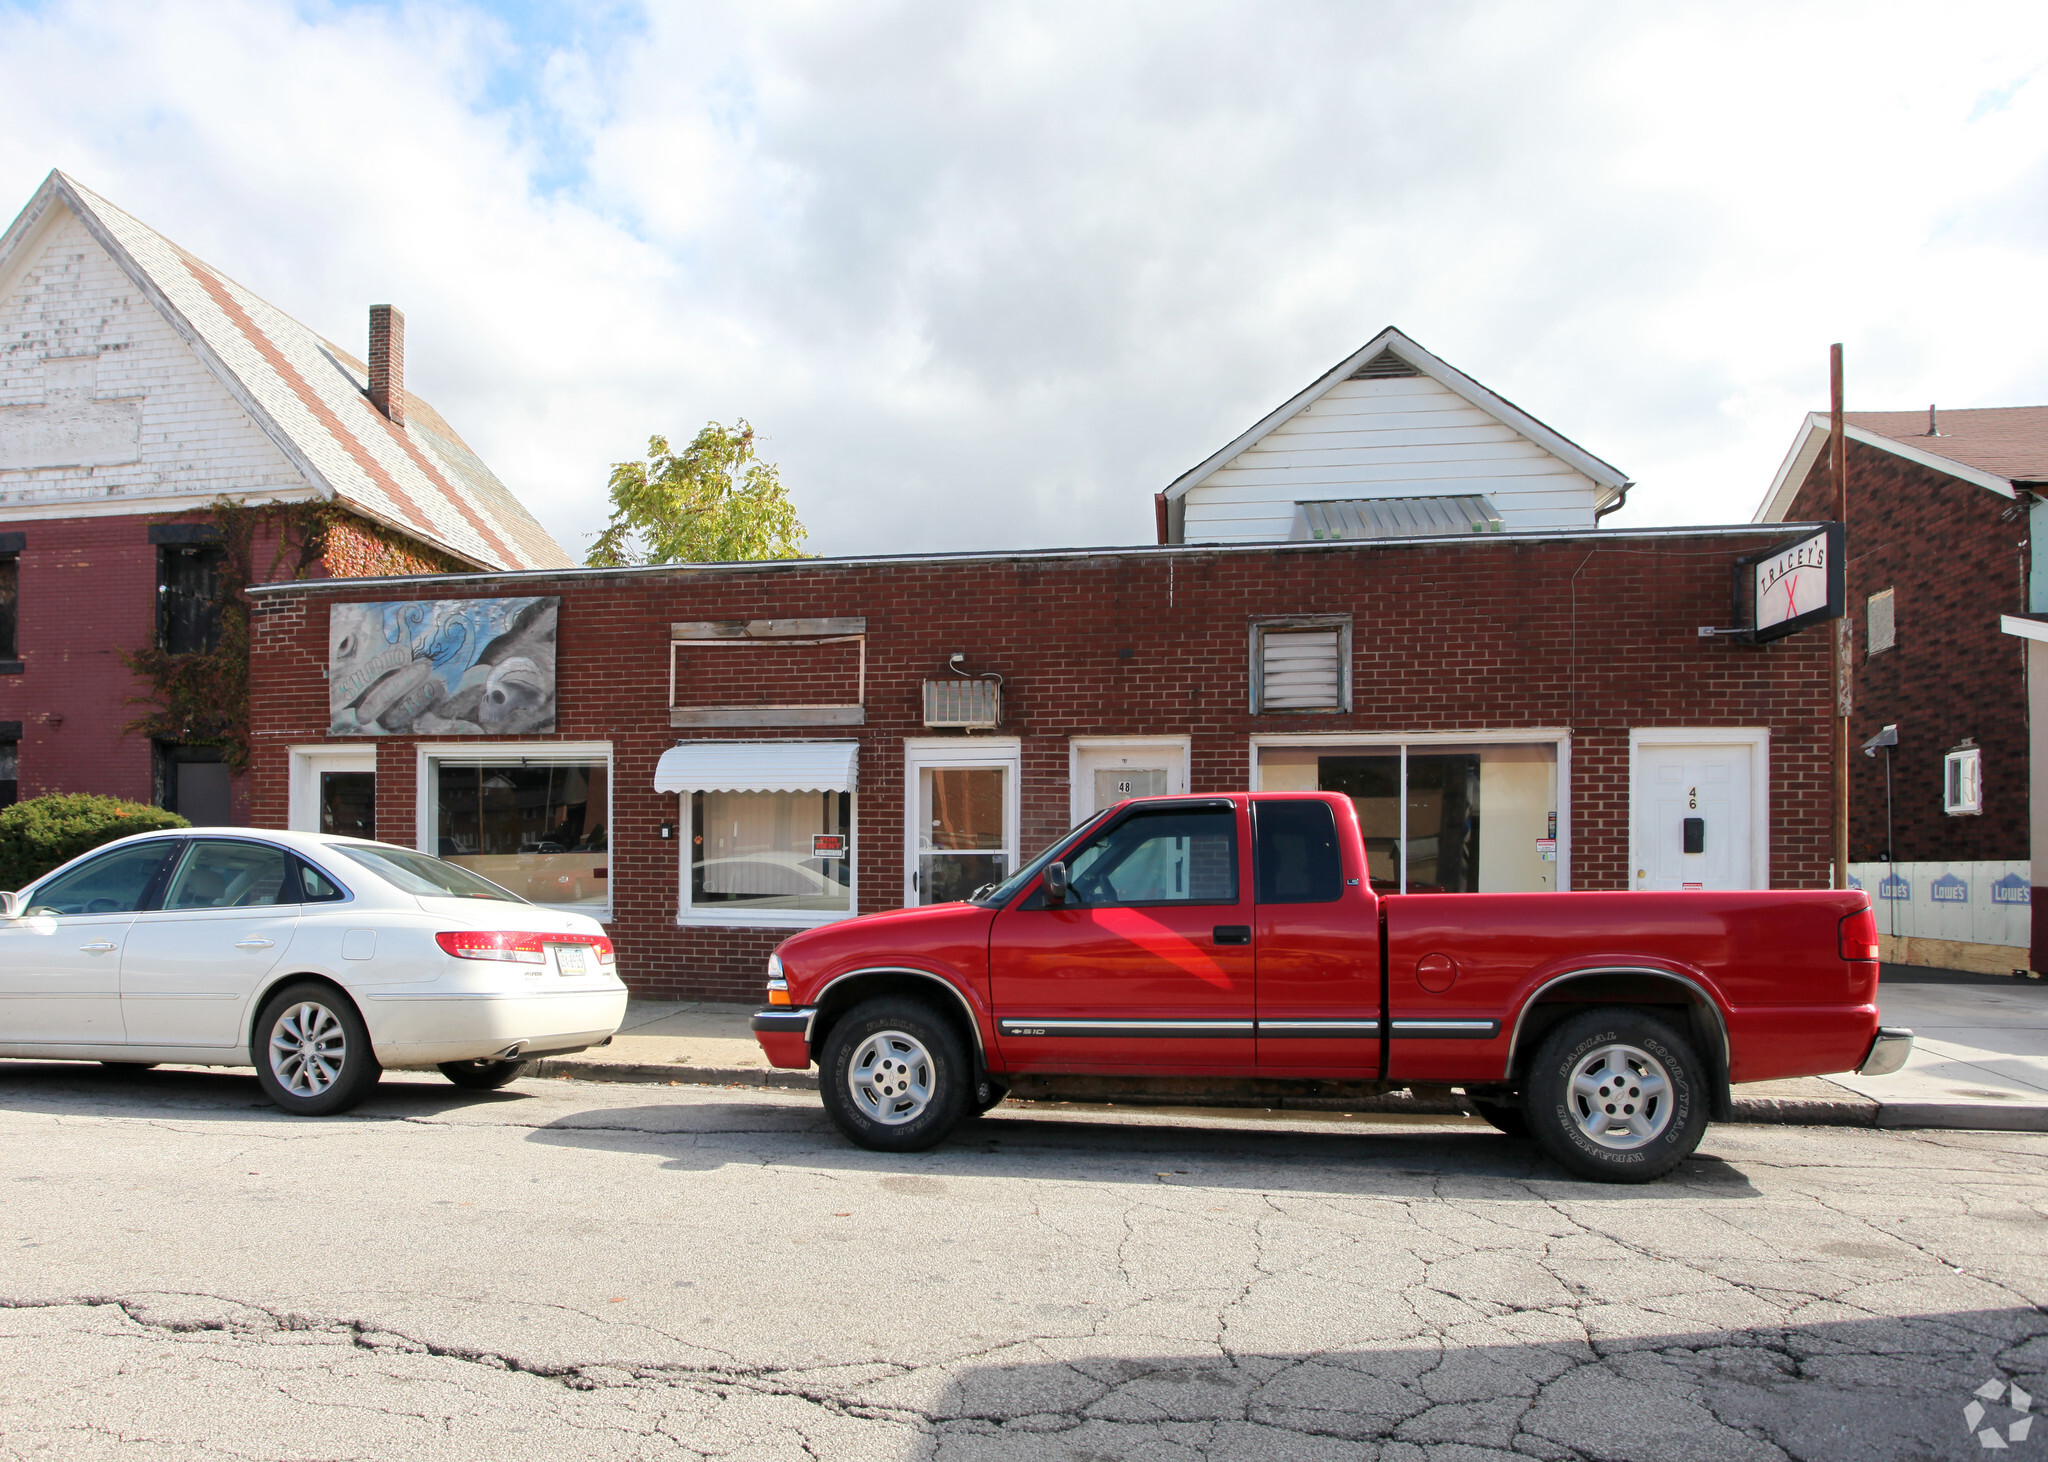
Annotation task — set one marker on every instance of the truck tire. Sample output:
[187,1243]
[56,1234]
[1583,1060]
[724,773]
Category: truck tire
[894,1076]
[1506,1117]
[1616,1095]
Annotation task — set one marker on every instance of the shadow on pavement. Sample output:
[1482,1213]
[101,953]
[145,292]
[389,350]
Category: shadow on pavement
[701,1137]
[219,1093]
[1883,1388]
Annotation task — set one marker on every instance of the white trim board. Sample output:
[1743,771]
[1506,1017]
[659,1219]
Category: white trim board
[307,762]
[1758,739]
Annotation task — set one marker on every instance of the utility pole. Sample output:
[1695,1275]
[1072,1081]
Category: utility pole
[1838,462]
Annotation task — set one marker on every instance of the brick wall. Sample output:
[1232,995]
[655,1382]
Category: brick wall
[1595,634]
[1953,567]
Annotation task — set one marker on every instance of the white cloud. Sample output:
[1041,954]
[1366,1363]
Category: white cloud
[990,276]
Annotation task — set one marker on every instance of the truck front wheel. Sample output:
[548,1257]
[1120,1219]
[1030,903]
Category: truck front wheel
[894,1076]
[1616,1095]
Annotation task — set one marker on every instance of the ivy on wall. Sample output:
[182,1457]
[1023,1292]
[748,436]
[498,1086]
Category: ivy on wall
[202,698]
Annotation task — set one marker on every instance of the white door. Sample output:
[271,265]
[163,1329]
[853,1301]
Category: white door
[1691,817]
[960,816]
[191,966]
[60,963]
[1106,772]
[334,790]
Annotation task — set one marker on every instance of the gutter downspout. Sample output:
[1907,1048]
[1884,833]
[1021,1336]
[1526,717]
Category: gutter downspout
[1620,502]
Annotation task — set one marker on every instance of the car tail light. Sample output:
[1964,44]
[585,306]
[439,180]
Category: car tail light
[1859,935]
[519,947]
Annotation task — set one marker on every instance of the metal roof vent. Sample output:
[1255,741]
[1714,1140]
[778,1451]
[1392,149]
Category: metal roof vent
[1395,517]
[1384,366]
[975,705]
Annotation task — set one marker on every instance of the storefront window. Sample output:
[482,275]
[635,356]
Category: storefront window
[1439,819]
[757,851]
[536,828]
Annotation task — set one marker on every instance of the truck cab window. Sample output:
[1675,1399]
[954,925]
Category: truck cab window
[1163,857]
[1294,855]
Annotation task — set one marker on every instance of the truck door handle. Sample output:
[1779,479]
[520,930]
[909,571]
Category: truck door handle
[100,946]
[1233,934]
[257,943]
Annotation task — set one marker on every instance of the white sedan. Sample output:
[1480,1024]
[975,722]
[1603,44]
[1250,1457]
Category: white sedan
[318,960]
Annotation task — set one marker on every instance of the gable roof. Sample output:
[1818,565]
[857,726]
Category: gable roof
[1367,361]
[310,397]
[1993,447]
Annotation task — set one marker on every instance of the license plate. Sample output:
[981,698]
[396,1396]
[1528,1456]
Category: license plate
[569,960]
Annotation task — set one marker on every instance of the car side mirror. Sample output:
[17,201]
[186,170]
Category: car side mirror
[1055,883]
[10,906]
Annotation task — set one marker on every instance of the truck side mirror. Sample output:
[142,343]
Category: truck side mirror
[1055,883]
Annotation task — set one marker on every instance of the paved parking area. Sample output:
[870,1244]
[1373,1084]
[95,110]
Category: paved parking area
[570,1269]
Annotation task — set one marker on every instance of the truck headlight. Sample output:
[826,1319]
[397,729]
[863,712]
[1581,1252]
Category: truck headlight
[778,987]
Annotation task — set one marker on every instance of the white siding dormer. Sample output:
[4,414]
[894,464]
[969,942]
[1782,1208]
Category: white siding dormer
[1391,422]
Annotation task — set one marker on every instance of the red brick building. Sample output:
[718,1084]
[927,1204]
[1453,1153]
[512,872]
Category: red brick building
[709,756]
[1937,582]
[140,387]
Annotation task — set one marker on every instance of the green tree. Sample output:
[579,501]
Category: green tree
[713,502]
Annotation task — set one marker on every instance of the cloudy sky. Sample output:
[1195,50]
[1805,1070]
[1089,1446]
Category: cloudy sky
[990,275]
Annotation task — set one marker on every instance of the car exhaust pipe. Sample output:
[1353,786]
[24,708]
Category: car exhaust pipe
[510,1053]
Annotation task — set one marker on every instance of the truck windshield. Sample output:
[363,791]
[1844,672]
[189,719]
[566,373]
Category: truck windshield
[995,895]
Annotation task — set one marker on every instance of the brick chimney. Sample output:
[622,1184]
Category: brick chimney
[387,362]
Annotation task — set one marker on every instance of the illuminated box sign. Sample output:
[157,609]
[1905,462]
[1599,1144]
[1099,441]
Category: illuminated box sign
[1790,586]
[828,845]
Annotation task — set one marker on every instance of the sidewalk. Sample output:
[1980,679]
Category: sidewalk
[1980,1059]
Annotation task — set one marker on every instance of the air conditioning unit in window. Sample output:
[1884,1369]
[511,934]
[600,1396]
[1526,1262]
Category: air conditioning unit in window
[976,705]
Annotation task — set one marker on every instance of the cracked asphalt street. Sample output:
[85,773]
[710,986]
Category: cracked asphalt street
[570,1269]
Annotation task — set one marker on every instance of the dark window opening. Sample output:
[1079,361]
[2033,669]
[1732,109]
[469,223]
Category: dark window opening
[188,613]
[10,772]
[1442,795]
[348,804]
[10,595]
[193,781]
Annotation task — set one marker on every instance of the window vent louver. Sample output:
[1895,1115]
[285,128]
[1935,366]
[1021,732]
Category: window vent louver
[1384,366]
[1301,669]
[972,704]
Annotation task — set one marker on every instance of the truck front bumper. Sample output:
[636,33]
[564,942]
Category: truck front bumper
[784,1032]
[1888,1052]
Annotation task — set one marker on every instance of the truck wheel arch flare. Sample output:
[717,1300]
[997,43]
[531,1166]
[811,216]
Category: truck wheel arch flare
[1700,995]
[904,973]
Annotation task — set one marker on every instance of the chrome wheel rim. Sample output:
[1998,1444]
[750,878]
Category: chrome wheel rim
[890,1078]
[308,1048]
[1620,1097]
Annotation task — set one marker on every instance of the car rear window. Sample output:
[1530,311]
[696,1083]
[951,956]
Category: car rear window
[422,875]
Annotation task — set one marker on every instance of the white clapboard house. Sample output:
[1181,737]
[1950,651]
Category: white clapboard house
[1390,443]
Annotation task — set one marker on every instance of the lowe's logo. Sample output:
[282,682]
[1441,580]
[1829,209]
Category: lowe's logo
[1891,886]
[1949,889]
[2011,889]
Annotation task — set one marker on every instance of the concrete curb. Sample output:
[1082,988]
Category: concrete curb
[1849,1110]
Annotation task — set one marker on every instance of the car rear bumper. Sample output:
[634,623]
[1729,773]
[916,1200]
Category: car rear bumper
[1888,1052]
[784,1032]
[422,1028]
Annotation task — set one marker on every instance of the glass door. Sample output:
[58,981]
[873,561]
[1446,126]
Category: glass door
[962,816]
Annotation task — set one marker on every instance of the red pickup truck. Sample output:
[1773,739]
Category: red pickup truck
[1239,939]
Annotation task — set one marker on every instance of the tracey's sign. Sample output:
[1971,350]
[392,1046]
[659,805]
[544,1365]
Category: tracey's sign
[1791,585]
[441,667]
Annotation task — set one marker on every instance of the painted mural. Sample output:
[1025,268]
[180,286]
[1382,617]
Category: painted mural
[442,667]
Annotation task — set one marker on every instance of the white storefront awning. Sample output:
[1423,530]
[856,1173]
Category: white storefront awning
[757,766]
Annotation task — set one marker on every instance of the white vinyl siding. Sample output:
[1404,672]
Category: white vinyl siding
[1401,437]
[1301,667]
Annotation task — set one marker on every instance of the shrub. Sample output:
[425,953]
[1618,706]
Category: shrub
[39,834]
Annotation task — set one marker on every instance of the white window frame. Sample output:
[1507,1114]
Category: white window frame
[1178,748]
[1555,737]
[307,763]
[1758,740]
[921,752]
[430,756]
[689,916]
[1293,623]
[1968,801]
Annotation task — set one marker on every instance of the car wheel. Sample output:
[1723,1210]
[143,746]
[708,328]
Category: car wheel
[312,1051]
[484,1075]
[989,1094]
[894,1076]
[1616,1095]
[1506,1117]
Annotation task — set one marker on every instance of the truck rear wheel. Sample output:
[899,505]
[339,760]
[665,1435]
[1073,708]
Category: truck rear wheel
[1616,1095]
[894,1076]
